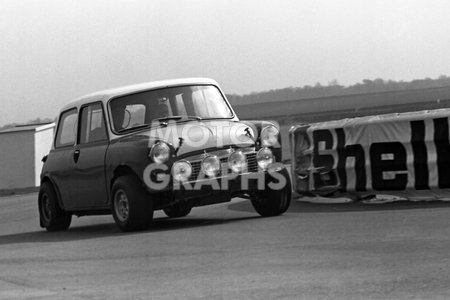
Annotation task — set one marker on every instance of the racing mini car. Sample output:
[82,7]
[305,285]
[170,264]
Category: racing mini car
[167,145]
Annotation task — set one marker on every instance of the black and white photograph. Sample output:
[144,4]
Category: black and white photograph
[224,149]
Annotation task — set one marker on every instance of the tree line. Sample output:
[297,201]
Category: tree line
[335,89]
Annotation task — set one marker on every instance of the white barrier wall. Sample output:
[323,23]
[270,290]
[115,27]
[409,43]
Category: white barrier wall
[21,151]
[404,154]
[17,167]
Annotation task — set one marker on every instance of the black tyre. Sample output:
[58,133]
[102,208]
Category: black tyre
[131,206]
[177,210]
[273,202]
[51,216]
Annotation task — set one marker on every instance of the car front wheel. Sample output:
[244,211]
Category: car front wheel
[276,197]
[131,206]
[51,216]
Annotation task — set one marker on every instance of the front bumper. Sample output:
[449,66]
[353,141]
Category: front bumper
[220,189]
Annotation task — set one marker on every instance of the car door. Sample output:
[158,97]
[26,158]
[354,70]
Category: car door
[60,163]
[89,158]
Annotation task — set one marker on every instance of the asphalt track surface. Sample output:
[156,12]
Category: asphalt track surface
[226,251]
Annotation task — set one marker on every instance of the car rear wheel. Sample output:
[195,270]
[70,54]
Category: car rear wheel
[273,202]
[131,206]
[177,210]
[51,216]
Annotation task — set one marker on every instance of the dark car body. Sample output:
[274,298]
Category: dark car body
[94,146]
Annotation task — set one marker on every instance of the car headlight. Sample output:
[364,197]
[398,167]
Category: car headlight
[160,153]
[237,162]
[264,157]
[211,165]
[181,170]
[269,136]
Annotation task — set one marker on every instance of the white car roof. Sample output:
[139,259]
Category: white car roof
[105,95]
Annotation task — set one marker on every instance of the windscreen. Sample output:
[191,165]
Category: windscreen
[177,103]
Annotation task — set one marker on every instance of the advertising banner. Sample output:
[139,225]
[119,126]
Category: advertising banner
[406,154]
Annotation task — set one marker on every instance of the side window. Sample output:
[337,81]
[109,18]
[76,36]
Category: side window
[92,124]
[67,129]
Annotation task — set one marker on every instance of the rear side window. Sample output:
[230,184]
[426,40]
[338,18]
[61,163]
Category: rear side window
[92,124]
[67,129]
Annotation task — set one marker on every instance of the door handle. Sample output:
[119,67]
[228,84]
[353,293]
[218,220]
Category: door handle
[76,155]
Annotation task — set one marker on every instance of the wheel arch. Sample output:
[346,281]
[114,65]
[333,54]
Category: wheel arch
[122,170]
[47,179]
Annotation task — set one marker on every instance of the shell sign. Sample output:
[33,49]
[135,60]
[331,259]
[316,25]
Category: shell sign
[405,154]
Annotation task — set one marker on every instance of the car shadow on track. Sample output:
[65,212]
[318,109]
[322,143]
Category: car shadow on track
[308,207]
[165,224]
[110,229]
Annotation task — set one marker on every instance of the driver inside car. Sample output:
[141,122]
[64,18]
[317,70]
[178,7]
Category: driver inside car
[159,111]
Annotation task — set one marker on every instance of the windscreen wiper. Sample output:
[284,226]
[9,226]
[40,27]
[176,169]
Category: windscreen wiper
[134,127]
[195,117]
[177,118]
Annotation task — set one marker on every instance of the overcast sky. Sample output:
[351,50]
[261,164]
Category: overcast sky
[52,51]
